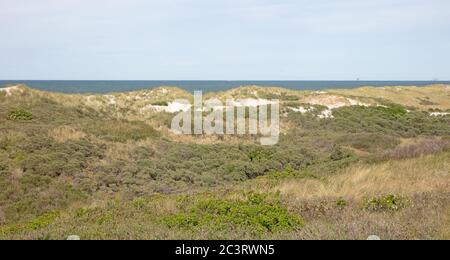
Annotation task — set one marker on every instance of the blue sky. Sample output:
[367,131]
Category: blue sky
[225,39]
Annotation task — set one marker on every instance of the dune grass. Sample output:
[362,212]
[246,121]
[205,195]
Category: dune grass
[405,177]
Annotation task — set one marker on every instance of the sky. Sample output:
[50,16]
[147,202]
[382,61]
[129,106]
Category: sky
[224,39]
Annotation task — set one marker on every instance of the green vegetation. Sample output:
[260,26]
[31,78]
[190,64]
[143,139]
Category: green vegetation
[121,131]
[99,168]
[34,224]
[20,115]
[254,213]
[388,202]
[160,103]
[389,121]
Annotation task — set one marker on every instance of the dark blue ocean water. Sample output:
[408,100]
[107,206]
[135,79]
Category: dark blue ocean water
[205,86]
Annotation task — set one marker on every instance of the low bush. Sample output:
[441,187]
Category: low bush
[104,219]
[20,115]
[341,203]
[34,224]
[385,203]
[3,167]
[393,121]
[160,103]
[47,157]
[338,153]
[255,213]
[260,154]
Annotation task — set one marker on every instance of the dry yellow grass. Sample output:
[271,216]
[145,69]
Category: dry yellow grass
[118,151]
[66,133]
[17,174]
[429,97]
[426,174]
[404,142]
[123,151]
[12,136]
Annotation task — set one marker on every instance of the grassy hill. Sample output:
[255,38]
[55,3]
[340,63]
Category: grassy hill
[106,167]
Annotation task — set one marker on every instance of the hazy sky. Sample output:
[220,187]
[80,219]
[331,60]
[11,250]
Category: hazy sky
[225,39]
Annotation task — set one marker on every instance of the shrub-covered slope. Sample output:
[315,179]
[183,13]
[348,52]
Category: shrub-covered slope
[106,166]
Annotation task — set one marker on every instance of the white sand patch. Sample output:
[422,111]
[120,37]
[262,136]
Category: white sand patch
[111,100]
[302,109]
[175,107]
[439,114]
[328,101]
[332,101]
[357,103]
[93,101]
[327,113]
[255,93]
[172,107]
[10,90]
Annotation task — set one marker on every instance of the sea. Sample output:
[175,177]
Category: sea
[108,86]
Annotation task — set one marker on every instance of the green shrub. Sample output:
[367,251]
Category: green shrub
[287,173]
[338,153]
[42,221]
[74,194]
[34,224]
[255,213]
[160,103]
[286,97]
[260,154]
[81,212]
[393,110]
[341,203]
[3,167]
[393,120]
[139,203]
[385,203]
[20,115]
[46,157]
[105,219]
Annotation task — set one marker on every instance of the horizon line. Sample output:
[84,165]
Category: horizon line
[237,80]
